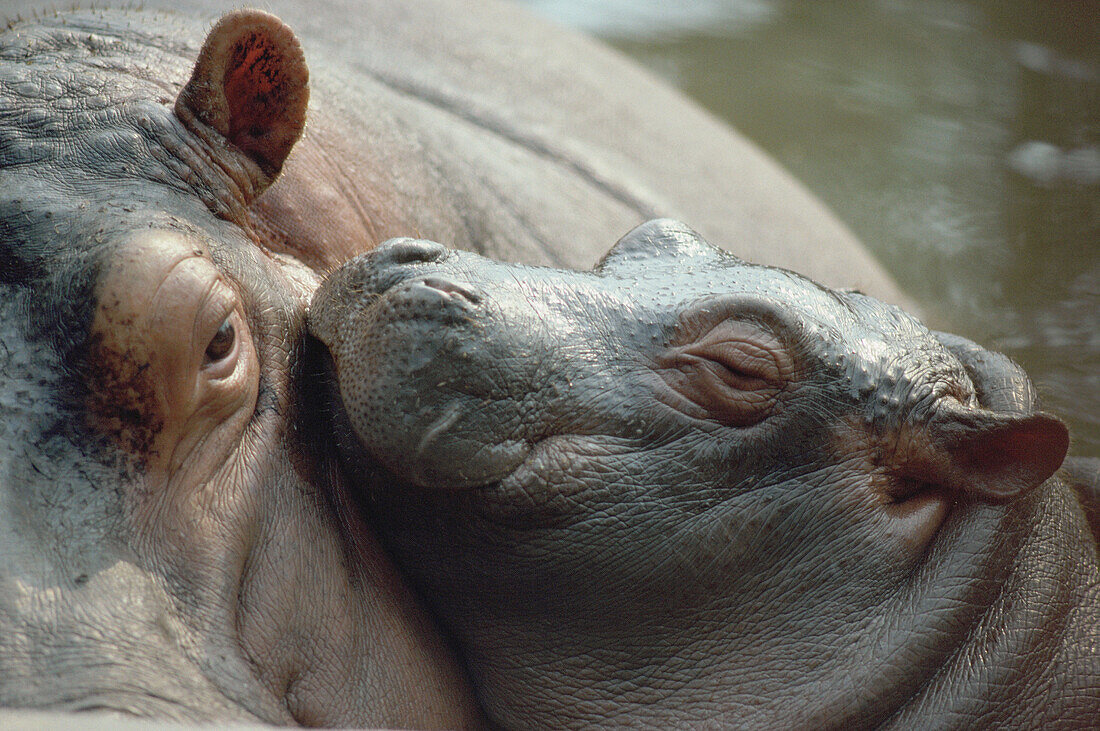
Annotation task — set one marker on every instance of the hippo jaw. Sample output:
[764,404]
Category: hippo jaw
[609,494]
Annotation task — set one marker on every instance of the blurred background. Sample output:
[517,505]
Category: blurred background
[959,139]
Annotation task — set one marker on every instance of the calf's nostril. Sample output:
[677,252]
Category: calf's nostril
[452,288]
[409,251]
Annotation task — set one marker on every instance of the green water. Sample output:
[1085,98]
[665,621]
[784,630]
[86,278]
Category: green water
[960,140]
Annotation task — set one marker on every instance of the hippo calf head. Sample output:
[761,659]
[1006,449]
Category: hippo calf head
[679,487]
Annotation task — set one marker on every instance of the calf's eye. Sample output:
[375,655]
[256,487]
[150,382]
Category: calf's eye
[733,373]
[221,345]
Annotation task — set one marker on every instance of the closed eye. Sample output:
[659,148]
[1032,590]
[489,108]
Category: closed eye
[744,364]
[733,374]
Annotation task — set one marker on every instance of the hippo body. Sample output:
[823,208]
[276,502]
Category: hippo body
[684,490]
[174,541]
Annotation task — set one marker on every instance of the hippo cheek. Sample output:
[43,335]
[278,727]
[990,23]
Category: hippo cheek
[172,374]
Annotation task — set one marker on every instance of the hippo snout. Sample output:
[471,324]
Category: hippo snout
[406,251]
[398,269]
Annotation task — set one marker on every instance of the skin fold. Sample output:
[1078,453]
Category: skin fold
[686,490]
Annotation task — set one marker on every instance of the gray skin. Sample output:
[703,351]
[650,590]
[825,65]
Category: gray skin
[685,490]
[173,541]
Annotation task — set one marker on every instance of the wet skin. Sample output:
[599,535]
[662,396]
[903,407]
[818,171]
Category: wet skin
[165,216]
[682,488]
[175,540]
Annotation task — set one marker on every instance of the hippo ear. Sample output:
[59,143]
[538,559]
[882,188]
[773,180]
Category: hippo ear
[659,239]
[991,454]
[251,85]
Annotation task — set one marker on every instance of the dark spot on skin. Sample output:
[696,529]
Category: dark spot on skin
[121,398]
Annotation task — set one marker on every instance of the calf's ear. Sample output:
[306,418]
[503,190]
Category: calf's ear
[1006,448]
[250,84]
[662,241]
[994,455]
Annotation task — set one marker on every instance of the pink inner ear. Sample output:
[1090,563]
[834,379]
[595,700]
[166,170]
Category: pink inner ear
[256,91]
[251,84]
[1004,456]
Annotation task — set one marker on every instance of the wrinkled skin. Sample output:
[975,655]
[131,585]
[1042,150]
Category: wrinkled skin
[174,542]
[166,547]
[682,489]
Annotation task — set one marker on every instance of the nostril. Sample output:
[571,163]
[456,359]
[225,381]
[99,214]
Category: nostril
[409,251]
[452,288]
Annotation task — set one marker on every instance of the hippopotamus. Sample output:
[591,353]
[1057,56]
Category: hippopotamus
[683,490]
[176,540]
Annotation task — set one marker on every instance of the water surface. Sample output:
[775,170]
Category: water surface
[959,139]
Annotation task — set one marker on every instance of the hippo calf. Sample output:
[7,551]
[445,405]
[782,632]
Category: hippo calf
[681,489]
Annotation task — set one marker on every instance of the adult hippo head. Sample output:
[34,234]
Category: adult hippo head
[164,547]
[686,490]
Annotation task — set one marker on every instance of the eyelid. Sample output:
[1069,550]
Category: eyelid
[726,365]
[225,366]
[742,348]
[219,304]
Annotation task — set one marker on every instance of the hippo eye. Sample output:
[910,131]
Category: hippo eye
[221,345]
[742,365]
[732,374]
[742,355]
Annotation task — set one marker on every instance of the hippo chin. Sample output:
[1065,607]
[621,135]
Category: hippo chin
[681,489]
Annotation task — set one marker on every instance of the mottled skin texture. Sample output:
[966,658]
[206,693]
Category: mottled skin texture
[686,490]
[173,541]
